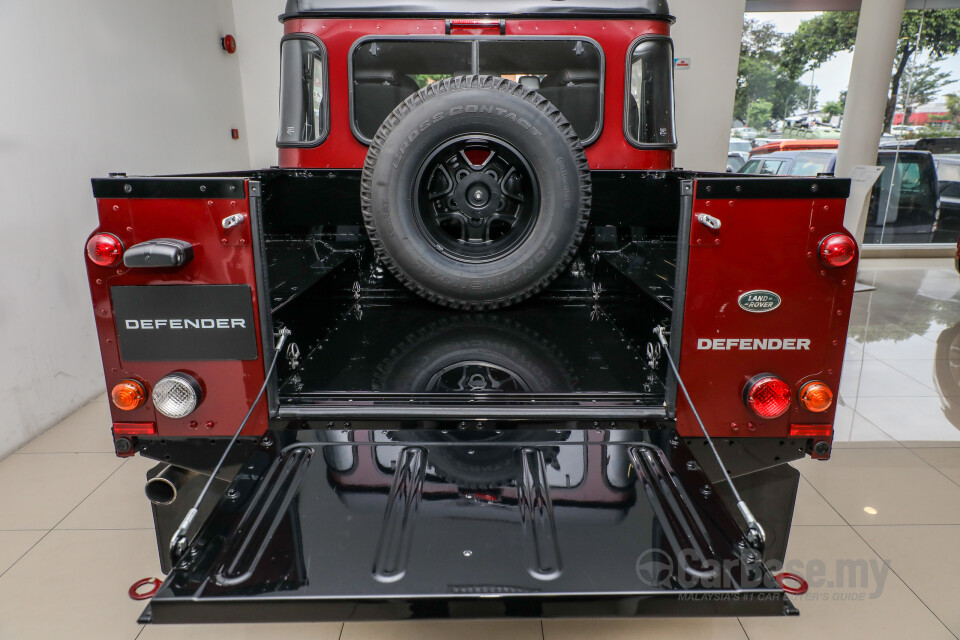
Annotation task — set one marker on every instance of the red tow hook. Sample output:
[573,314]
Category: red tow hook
[135,593]
[798,590]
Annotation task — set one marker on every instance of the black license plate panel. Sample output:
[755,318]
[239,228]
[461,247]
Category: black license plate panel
[185,322]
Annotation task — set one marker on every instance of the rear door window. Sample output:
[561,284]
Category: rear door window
[568,73]
[386,72]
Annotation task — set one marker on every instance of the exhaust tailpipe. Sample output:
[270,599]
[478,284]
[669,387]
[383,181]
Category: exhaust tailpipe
[164,487]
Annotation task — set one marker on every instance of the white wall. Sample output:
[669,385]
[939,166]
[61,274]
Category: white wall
[258,34]
[86,88]
[709,33]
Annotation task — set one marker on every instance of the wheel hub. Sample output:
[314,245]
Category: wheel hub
[477,198]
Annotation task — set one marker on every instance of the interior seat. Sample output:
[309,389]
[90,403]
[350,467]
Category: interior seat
[576,92]
[376,92]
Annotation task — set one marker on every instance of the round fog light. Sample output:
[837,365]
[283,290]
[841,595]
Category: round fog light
[176,395]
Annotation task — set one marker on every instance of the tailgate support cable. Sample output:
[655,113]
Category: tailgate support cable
[178,542]
[755,533]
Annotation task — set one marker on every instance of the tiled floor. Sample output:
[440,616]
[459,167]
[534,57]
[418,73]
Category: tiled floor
[879,524]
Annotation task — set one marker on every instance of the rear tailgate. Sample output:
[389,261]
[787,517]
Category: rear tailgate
[366,525]
[203,318]
[759,300]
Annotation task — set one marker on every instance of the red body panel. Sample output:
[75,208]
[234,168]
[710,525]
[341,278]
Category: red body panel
[341,150]
[761,245]
[220,257]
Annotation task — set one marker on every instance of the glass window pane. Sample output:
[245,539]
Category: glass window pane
[650,100]
[568,73]
[770,167]
[303,107]
[385,72]
[810,164]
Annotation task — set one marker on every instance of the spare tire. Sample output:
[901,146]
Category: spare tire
[476,192]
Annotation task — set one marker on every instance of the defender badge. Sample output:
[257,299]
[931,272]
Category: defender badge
[759,301]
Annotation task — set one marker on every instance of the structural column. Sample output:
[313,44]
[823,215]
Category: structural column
[873,54]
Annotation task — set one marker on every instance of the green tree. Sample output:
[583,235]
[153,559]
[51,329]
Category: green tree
[953,106]
[922,84]
[833,108]
[819,39]
[760,76]
[759,113]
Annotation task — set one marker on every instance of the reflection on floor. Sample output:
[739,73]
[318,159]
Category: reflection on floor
[875,530]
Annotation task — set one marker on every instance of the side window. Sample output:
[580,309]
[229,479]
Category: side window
[809,164]
[770,167]
[648,112]
[303,93]
[752,166]
[386,72]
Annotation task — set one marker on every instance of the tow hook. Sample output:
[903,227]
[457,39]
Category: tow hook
[798,590]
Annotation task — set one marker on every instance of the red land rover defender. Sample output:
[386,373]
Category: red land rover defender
[475,348]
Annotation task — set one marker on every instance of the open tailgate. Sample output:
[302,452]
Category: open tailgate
[373,525]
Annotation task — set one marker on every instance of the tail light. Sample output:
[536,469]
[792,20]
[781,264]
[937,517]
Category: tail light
[816,397]
[767,395]
[105,250]
[128,395]
[476,26]
[837,250]
[176,395]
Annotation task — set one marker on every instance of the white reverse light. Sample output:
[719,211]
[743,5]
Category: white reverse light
[176,395]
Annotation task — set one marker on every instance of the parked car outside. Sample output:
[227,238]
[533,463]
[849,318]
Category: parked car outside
[740,145]
[903,209]
[735,160]
[745,133]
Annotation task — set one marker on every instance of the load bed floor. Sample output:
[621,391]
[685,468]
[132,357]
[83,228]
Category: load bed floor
[562,354]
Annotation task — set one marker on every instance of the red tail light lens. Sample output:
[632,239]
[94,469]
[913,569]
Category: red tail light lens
[837,250]
[816,397]
[475,26]
[105,250]
[128,395]
[767,395]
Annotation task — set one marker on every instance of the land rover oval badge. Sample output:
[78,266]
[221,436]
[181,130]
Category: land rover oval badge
[759,301]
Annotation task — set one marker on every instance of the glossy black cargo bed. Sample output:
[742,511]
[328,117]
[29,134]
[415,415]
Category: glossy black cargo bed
[384,352]
[364,525]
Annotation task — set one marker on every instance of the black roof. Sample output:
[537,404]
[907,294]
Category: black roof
[479,8]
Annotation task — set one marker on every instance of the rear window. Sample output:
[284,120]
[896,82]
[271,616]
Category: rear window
[568,72]
[948,172]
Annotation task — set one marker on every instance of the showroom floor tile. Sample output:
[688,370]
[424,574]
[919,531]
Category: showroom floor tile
[79,532]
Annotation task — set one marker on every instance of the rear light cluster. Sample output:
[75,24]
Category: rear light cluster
[837,250]
[105,250]
[175,395]
[770,397]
